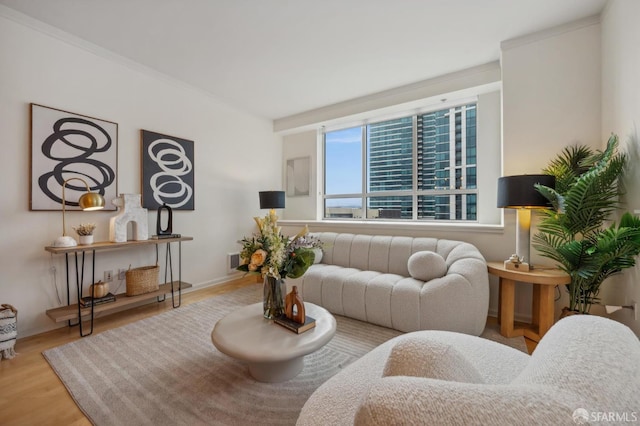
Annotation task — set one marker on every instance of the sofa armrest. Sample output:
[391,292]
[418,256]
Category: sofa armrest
[411,400]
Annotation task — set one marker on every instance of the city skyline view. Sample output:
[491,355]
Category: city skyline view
[440,144]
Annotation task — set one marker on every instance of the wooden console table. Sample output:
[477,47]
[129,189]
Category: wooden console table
[76,312]
[542,307]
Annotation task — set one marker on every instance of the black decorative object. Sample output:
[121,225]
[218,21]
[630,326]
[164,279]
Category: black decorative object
[169,228]
[168,231]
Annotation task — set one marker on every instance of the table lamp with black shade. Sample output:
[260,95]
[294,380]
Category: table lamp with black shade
[271,200]
[518,192]
[87,202]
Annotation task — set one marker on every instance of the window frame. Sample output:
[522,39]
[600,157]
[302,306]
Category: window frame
[365,195]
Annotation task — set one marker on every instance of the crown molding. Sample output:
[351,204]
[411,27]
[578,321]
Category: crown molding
[550,32]
[101,52]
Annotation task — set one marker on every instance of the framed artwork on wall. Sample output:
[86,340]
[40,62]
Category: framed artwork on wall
[298,177]
[66,145]
[167,172]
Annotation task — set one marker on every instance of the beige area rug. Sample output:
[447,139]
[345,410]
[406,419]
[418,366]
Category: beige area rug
[164,370]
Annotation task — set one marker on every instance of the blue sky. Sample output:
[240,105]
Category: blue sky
[343,164]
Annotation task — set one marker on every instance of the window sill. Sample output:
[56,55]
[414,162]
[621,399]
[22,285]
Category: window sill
[361,225]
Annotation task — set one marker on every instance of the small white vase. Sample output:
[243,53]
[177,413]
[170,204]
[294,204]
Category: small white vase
[85,240]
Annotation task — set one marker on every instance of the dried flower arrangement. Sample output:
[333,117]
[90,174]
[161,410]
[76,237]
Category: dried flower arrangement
[85,228]
[272,254]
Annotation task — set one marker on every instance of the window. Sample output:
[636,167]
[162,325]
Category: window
[421,167]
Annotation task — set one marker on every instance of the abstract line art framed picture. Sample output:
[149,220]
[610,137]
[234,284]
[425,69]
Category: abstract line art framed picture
[168,175]
[65,145]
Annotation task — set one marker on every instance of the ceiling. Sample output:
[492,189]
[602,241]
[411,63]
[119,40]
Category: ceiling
[276,58]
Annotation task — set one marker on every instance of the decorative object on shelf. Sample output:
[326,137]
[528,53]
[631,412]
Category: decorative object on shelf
[515,263]
[276,257]
[573,231]
[66,145]
[519,192]
[87,202]
[142,280]
[130,211]
[99,289]
[8,330]
[168,231]
[167,171]
[298,177]
[85,240]
[294,306]
[85,233]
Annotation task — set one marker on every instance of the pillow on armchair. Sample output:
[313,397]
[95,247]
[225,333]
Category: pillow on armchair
[430,359]
[426,265]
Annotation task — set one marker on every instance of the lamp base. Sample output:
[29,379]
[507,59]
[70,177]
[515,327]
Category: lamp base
[520,266]
[65,241]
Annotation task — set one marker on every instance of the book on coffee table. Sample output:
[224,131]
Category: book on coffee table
[296,327]
[88,301]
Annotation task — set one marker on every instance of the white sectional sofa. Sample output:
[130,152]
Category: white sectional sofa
[403,283]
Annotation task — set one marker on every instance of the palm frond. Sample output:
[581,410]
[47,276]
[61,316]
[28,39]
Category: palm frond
[571,233]
[568,165]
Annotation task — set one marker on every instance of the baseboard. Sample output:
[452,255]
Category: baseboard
[517,316]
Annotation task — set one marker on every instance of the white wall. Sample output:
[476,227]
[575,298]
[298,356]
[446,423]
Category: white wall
[236,155]
[297,145]
[488,157]
[551,95]
[621,115]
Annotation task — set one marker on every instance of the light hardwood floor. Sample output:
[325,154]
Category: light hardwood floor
[32,394]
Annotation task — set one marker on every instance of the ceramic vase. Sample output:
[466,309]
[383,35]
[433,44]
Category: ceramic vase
[273,297]
[85,239]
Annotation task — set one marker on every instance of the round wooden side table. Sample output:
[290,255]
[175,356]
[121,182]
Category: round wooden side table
[542,307]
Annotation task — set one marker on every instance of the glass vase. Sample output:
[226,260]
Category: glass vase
[273,297]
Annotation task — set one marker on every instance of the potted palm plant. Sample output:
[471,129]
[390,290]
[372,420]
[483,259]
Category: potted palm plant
[574,231]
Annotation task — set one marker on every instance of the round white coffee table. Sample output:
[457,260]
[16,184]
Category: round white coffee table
[273,353]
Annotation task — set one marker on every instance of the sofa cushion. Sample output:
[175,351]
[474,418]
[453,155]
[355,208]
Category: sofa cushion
[418,357]
[379,288]
[426,265]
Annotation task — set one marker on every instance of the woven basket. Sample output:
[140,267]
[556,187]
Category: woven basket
[142,280]
[8,330]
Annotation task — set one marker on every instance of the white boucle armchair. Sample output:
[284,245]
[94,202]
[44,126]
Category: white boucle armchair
[403,283]
[585,370]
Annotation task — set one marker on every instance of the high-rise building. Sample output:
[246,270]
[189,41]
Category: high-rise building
[446,161]
[390,166]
